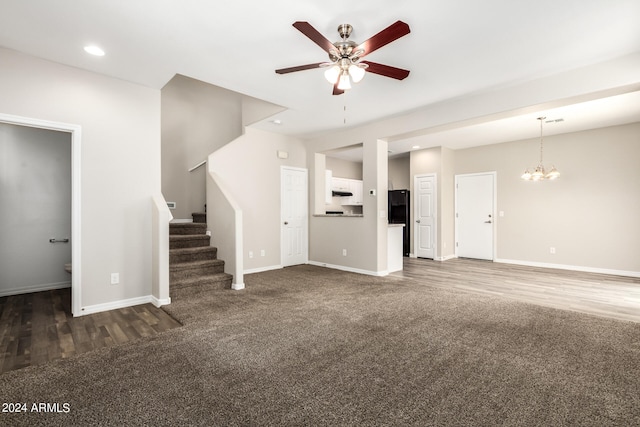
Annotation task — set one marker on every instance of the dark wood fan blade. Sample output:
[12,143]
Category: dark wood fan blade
[315,36]
[337,91]
[384,37]
[386,70]
[299,68]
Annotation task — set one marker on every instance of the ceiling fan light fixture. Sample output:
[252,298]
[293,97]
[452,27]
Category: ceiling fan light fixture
[344,83]
[332,74]
[356,72]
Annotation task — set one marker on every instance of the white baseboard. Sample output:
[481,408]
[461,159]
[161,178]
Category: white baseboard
[262,269]
[570,267]
[350,269]
[160,302]
[114,305]
[34,288]
[237,286]
[446,258]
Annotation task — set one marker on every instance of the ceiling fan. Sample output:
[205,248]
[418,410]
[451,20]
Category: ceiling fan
[345,55]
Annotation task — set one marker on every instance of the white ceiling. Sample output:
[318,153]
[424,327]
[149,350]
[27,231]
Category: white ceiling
[455,49]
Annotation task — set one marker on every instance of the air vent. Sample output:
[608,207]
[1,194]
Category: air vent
[171,205]
[554,120]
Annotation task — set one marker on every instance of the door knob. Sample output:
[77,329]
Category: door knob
[488,222]
[418,221]
[286,223]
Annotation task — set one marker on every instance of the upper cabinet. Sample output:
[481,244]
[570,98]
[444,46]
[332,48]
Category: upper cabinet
[346,185]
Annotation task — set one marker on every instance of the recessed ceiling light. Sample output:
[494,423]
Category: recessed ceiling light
[415,147]
[94,50]
[276,122]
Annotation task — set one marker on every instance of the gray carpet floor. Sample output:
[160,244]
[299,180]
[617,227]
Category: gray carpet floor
[314,346]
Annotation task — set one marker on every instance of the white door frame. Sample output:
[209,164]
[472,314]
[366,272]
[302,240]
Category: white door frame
[76,252]
[434,235]
[306,222]
[494,206]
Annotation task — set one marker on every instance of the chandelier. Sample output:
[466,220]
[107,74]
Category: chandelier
[540,173]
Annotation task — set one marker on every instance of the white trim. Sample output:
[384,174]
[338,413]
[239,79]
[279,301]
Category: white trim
[446,258]
[571,267]
[34,288]
[237,286]
[160,302]
[76,196]
[114,305]
[263,269]
[350,269]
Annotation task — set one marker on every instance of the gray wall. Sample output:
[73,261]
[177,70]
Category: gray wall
[197,119]
[35,205]
[250,169]
[342,168]
[399,173]
[120,165]
[590,214]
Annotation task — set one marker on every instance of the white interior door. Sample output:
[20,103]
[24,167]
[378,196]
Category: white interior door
[425,216]
[294,216]
[475,219]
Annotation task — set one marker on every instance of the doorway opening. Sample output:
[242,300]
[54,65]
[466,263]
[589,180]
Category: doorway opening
[75,241]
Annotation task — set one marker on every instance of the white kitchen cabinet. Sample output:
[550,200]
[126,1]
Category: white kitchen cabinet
[355,188]
[340,184]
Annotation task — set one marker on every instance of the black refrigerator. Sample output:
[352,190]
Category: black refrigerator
[399,213]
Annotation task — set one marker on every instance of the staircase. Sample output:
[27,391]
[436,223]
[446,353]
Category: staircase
[193,265]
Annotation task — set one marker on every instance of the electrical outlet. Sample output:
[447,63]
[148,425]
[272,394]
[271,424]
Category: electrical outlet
[344,252]
[115,278]
[552,250]
[250,254]
[262,252]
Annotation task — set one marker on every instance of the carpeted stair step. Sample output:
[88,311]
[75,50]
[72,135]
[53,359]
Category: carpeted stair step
[181,228]
[188,241]
[199,217]
[196,285]
[187,270]
[201,253]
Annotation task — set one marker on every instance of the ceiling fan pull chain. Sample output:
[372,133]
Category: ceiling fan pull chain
[344,110]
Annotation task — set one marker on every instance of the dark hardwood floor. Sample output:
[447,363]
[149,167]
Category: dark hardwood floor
[605,295]
[38,327]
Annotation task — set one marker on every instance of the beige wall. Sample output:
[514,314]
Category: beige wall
[342,168]
[399,170]
[120,164]
[250,168]
[590,215]
[197,119]
[364,238]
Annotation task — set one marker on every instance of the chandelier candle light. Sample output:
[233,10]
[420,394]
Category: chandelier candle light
[539,173]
